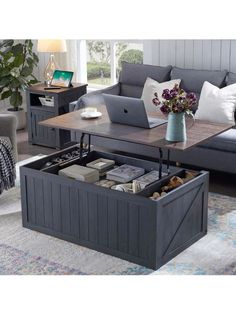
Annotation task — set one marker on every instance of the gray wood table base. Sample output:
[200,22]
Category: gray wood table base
[131,227]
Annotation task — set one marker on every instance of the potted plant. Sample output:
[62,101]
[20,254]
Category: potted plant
[17,62]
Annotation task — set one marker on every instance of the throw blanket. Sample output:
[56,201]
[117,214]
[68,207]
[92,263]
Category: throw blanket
[7,166]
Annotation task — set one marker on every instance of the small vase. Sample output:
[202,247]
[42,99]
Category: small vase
[176,127]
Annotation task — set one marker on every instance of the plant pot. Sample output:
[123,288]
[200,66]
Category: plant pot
[20,116]
[176,127]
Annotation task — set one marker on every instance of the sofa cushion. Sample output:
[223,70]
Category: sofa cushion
[225,141]
[192,80]
[136,74]
[131,90]
[151,87]
[231,78]
[217,104]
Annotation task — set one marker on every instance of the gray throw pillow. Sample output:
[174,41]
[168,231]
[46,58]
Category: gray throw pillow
[192,80]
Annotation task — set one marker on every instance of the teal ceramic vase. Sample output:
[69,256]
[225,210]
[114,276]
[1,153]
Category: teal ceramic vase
[176,127]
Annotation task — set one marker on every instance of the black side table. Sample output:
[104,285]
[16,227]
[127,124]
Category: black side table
[36,112]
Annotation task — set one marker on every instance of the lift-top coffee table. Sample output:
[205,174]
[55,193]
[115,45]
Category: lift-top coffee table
[129,226]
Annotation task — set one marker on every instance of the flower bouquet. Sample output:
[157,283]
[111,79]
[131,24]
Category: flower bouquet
[176,100]
[175,104]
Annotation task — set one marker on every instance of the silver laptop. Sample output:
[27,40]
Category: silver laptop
[131,111]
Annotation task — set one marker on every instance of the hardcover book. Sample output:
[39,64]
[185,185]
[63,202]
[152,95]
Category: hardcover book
[101,164]
[80,173]
[125,173]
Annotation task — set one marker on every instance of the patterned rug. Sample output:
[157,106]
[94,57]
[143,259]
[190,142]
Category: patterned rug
[23,251]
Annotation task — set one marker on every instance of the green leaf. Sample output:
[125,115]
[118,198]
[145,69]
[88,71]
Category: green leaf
[5,80]
[6,43]
[16,99]
[26,71]
[36,59]
[4,72]
[18,61]
[30,44]
[33,81]
[7,55]
[17,49]
[6,94]
[15,83]
[30,61]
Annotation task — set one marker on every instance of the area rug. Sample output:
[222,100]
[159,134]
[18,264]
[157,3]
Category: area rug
[23,251]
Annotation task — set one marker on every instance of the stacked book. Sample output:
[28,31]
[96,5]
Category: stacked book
[124,173]
[80,173]
[102,165]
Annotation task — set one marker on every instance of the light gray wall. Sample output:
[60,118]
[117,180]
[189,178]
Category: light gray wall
[196,54]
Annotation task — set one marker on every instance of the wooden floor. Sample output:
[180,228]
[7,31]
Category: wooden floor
[220,182]
[25,150]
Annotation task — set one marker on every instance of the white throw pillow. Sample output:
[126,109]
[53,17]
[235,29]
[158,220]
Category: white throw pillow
[150,87]
[217,104]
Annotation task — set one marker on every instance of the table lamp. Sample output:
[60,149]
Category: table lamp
[52,46]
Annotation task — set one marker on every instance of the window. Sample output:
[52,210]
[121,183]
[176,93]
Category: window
[98,62]
[129,52]
[104,60]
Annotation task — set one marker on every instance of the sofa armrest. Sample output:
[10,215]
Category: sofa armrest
[95,98]
[8,125]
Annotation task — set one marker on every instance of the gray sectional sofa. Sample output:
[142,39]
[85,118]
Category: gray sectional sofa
[218,153]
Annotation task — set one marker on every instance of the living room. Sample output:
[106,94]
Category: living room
[90,187]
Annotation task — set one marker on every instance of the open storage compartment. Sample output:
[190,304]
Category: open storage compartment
[129,226]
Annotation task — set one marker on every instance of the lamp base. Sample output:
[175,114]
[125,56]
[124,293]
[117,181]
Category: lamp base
[49,70]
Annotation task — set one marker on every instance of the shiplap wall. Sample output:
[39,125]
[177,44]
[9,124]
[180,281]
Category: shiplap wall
[196,54]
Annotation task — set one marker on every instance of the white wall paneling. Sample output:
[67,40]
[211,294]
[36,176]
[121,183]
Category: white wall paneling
[232,59]
[179,53]
[195,54]
[225,54]
[188,53]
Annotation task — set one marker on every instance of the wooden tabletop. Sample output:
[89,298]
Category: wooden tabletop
[39,88]
[197,131]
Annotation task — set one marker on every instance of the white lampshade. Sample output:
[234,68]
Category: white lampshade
[51,45]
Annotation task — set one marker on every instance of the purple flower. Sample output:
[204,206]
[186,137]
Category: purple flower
[191,96]
[175,100]
[156,101]
[166,94]
[165,108]
[173,93]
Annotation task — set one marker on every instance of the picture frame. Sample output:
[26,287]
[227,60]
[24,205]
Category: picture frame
[62,78]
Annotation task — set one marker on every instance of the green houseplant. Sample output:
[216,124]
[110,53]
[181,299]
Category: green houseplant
[17,62]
